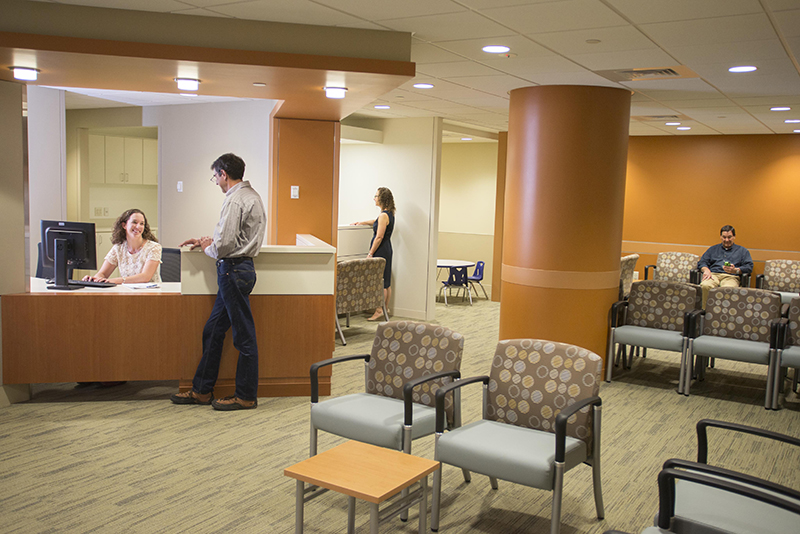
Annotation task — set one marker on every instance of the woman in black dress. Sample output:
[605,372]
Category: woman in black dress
[381,245]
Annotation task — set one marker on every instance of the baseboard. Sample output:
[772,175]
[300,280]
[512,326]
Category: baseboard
[418,315]
[13,393]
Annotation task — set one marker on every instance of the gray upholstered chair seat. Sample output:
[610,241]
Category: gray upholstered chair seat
[371,418]
[739,350]
[516,454]
[790,357]
[649,337]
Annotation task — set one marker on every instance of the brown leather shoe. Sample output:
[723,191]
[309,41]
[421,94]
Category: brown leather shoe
[192,397]
[233,403]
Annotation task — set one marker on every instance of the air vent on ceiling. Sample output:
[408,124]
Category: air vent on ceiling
[645,118]
[637,75]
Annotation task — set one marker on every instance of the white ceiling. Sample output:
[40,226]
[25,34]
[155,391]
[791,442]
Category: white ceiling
[548,40]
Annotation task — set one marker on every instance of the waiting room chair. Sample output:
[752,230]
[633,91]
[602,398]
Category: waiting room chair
[541,417]
[409,362]
[788,355]
[627,264]
[477,278]
[674,267]
[697,498]
[782,276]
[170,265]
[359,287]
[739,324]
[651,317]
[458,279]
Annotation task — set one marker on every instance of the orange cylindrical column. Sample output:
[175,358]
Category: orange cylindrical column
[564,199]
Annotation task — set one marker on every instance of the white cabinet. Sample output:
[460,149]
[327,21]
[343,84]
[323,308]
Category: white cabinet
[122,160]
[150,162]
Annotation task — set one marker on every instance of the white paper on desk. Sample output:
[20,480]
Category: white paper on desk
[147,285]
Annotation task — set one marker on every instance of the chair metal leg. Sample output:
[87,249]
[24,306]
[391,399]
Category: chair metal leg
[773,374]
[339,330]
[493,482]
[299,494]
[558,489]
[598,488]
[467,475]
[347,323]
[406,450]
[795,379]
[436,498]
[313,441]
[610,354]
[351,515]
[687,375]
[683,366]
[484,291]
[385,312]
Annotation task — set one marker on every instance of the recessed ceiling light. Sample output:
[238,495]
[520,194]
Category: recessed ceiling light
[423,86]
[382,106]
[466,139]
[791,121]
[25,73]
[683,128]
[259,84]
[188,84]
[796,131]
[672,124]
[495,49]
[743,68]
[780,108]
[593,41]
[335,92]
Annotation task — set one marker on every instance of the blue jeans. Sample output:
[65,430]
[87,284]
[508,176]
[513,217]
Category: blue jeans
[231,310]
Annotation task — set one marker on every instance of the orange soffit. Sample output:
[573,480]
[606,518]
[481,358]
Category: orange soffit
[560,279]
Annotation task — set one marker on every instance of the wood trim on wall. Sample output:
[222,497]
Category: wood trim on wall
[499,213]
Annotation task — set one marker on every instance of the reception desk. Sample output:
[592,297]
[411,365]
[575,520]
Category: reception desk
[155,334]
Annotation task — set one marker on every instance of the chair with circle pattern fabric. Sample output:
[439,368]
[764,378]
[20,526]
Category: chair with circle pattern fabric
[627,264]
[782,276]
[541,417]
[651,317]
[739,324]
[408,363]
[359,287]
[674,267]
[788,355]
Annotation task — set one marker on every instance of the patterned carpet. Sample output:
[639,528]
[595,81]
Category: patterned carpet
[125,460]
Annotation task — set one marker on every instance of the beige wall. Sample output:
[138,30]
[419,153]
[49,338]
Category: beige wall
[467,205]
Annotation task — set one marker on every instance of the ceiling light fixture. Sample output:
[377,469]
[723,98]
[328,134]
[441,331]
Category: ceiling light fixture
[25,73]
[796,131]
[423,86]
[743,68]
[780,108]
[335,92]
[683,128]
[187,84]
[259,84]
[495,49]
[672,124]
[466,139]
[382,106]
[593,41]
[791,121]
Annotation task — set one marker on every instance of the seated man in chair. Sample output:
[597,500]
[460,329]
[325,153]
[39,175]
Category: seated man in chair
[722,264]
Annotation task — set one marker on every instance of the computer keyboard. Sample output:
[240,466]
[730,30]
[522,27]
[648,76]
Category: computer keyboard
[87,283]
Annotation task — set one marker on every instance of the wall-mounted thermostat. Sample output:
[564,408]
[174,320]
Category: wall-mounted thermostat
[295,191]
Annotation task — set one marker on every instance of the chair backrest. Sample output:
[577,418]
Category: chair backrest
[359,284]
[457,276]
[477,274]
[793,332]
[532,380]
[654,304]
[674,266]
[782,275]
[627,264]
[404,350]
[741,313]
[170,264]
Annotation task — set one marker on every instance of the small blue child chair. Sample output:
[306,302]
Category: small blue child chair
[457,278]
[476,278]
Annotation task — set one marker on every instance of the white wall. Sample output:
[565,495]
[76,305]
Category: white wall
[191,137]
[47,162]
[407,162]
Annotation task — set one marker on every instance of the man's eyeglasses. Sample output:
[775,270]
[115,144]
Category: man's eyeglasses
[214,178]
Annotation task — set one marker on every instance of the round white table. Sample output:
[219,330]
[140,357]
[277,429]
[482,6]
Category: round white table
[446,264]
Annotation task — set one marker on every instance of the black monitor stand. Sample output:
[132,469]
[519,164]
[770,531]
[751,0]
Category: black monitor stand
[60,268]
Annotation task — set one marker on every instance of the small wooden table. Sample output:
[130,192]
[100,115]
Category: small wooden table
[366,472]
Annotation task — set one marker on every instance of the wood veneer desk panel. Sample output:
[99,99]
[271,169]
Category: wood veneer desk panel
[87,335]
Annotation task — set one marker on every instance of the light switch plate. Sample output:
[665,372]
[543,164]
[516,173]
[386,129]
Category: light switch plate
[180,187]
[295,191]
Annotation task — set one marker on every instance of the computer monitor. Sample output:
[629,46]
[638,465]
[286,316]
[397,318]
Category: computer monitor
[68,243]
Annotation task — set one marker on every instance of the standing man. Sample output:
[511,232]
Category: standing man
[237,240]
[722,264]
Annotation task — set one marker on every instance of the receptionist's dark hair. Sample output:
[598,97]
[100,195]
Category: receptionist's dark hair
[728,228]
[232,164]
[118,234]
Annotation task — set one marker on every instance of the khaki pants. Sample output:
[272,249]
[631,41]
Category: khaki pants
[718,280]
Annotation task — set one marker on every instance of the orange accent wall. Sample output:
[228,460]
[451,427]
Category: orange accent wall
[681,190]
[497,261]
[306,154]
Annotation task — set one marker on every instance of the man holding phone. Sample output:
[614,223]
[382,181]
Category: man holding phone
[722,264]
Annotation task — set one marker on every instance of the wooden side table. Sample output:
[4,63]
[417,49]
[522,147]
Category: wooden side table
[366,472]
